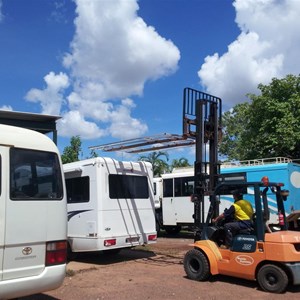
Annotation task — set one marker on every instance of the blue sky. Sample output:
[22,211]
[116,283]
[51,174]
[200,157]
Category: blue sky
[116,69]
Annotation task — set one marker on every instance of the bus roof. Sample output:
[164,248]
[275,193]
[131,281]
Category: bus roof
[25,138]
[105,160]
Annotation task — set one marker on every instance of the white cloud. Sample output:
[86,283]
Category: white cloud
[115,48]
[51,98]
[73,124]
[88,101]
[123,126]
[267,47]
[112,54]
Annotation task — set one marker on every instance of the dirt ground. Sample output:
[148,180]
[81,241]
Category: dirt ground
[151,272]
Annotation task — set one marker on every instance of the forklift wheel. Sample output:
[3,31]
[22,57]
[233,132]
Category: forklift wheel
[272,278]
[196,265]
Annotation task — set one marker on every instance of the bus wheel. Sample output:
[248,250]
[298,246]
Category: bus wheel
[196,265]
[272,278]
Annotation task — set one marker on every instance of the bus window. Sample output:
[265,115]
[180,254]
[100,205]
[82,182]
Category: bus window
[128,186]
[184,186]
[168,188]
[35,175]
[78,189]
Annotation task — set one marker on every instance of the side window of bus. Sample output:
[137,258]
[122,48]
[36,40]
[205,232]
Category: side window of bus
[78,189]
[128,186]
[178,187]
[189,186]
[35,175]
[184,186]
[168,187]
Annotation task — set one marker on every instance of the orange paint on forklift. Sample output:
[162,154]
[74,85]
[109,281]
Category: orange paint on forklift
[212,252]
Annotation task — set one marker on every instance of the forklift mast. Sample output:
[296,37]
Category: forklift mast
[202,115]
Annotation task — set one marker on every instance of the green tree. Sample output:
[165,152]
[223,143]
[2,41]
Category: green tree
[234,123]
[71,153]
[160,165]
[180,163]
[268,125]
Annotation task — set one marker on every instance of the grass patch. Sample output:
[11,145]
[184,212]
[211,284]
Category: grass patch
[70,273]
[146,248]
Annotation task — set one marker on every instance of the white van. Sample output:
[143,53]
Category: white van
[33,217]
[110,204]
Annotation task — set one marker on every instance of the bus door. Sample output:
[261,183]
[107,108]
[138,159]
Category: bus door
[168,207]
[184,208]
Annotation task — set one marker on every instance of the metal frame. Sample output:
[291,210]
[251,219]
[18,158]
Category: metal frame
[143,144]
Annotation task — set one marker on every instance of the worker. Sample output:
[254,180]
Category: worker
[240,212]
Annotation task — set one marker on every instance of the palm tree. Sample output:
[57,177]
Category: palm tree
[180,163]
[159,165]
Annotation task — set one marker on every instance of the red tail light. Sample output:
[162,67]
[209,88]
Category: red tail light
[56,253]
[152,237]
[110,242]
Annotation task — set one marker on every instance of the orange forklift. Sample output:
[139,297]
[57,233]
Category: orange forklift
[268,253]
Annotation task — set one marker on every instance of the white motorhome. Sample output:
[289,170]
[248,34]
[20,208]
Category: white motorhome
[33,219]
[110,204]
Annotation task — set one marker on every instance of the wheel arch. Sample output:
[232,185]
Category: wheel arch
[211,258]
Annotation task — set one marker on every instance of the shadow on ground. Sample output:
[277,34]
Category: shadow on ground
[106,258]
[38,297]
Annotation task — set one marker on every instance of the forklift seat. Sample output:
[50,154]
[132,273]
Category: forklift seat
[246,231]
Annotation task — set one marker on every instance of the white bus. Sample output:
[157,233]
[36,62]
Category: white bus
[110,204]
[33,219]
[172,194]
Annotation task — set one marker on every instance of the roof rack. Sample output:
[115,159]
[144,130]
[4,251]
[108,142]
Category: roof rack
[256,162]
[146,144]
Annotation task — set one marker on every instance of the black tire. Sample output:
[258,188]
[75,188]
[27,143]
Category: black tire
[272,278]
[196,265]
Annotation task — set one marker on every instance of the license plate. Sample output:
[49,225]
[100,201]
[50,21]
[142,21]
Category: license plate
[132,239]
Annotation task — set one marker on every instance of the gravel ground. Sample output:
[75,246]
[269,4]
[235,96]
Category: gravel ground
[151,272]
